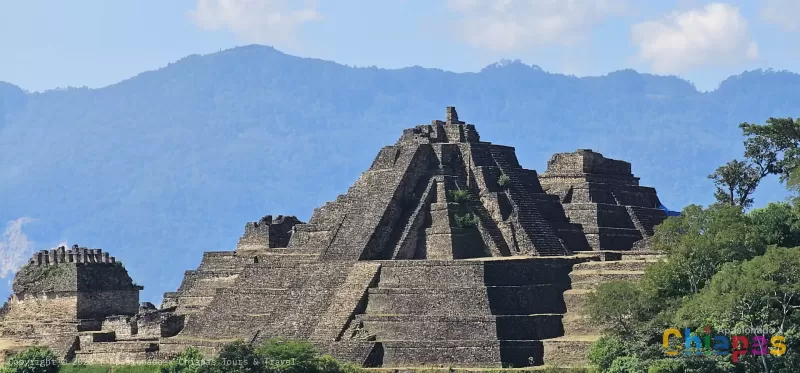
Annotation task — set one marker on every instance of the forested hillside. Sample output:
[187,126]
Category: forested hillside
[168,164]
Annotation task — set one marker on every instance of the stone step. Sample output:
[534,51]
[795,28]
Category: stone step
[346,301]
[463,327]
[86,338]
[119,346]
[579,324]
[468,354]
[478,300]
[472,273]
[353,352]
[589,279]
[568,351]
[575,299]
[617,265]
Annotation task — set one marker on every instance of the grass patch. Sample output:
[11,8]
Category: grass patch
[81,368]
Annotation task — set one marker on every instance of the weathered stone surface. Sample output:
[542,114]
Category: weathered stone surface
[445,252]
[267,233]
[82,304]
[604,197]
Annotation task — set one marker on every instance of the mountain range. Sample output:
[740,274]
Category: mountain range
[158,168]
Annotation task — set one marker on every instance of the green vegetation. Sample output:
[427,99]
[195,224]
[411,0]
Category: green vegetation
[33,360]
[274,356]
[189,361]
[466,220]
[459,196]
[725,268]
[772,148]
[83,368]
[503,181]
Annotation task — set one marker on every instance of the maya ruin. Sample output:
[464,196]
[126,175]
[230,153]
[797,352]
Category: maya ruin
[445,252]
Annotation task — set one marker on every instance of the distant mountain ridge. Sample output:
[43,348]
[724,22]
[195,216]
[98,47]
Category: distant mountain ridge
[160,167]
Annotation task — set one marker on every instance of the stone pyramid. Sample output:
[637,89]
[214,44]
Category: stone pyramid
[446,252]
[604,197]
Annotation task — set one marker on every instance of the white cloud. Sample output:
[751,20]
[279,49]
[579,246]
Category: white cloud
[15,247]
[507,25]
[782,13]
[717,34]
[271,22]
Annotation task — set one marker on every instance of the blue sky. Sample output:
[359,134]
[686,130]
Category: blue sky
[48,44]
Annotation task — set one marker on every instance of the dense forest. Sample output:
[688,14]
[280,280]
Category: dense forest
[170,163]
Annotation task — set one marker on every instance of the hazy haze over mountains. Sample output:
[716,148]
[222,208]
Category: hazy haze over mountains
[168,164]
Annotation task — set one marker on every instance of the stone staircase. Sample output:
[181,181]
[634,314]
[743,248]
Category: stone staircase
[644,218]
[406,243]
[348,300]
[572,348]
[544,240]
[298,294]
[458,313]
[217,270]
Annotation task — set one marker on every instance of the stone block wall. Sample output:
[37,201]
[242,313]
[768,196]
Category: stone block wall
[268,233]
[43,306]
[101,304]
[75,255]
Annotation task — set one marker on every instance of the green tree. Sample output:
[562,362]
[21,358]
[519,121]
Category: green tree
[617,305]
[697,243]
[761,292]
[774,146]
[776,224]
[736,181]
[35,359]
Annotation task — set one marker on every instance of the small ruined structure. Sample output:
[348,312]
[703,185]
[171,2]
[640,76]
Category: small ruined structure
[445,252]
[604,197]
[70,299]
[267,233]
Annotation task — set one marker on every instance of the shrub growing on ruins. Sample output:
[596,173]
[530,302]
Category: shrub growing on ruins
[466,220]
[503,181]
[459,196]
[35,359]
